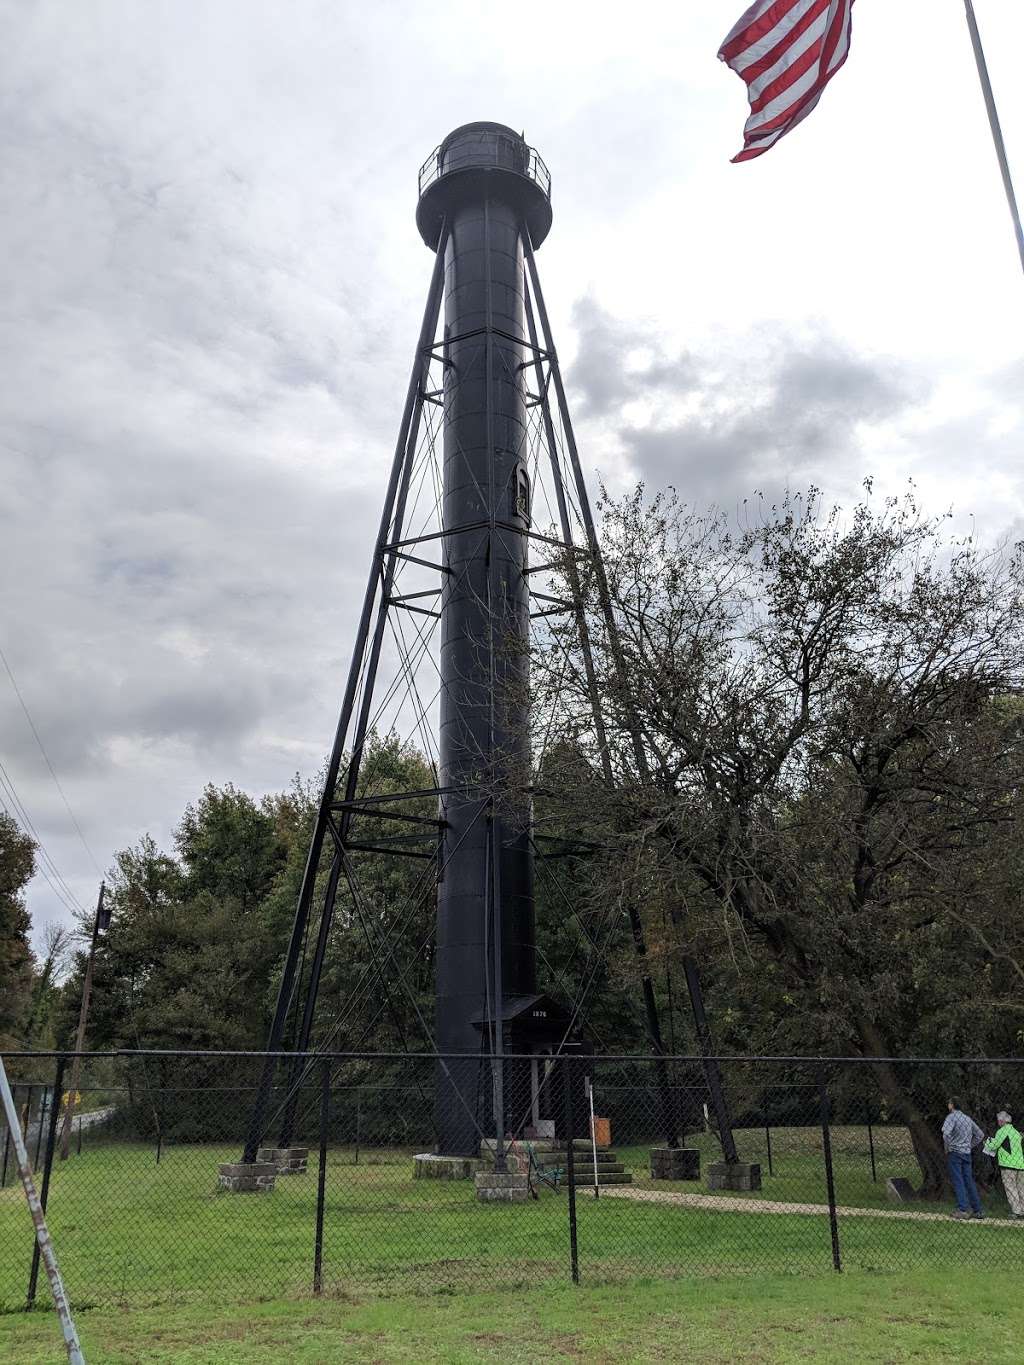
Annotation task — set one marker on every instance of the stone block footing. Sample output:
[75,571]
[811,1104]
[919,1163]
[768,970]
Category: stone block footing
[675,1163]
[428,1166]
[288,1160]
[502,1187]
[244,1177]
[739,1175]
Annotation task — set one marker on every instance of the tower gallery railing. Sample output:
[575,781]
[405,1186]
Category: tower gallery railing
[509,153]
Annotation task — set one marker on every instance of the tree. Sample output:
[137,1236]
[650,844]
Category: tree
[193,956]
[17,866]
[831,753]
[45,1000]
[377,989]
[187,958]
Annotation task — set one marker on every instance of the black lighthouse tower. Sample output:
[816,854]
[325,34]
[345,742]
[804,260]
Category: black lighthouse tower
[485,192]
[486,427]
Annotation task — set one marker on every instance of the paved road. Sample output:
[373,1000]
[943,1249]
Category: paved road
[85,1121]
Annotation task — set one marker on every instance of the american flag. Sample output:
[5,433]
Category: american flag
[786,51]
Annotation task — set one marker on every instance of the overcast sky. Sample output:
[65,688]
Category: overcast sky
[211,284]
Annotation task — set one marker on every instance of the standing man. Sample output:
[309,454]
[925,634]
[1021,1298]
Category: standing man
[960,1134]
[1006,1146]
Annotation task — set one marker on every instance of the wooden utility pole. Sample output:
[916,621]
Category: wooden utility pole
[100,922]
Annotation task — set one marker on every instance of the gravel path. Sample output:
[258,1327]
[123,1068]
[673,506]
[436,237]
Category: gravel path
[729,1204]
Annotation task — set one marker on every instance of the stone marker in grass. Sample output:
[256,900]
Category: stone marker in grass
[899,1190]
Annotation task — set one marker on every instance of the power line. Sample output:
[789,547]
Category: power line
[47,867]
[24,819]
[46,759]
[57,883]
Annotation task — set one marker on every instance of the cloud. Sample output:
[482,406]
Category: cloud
[787,405]
[779,409]
[210,288]
[195,428]
[618,360]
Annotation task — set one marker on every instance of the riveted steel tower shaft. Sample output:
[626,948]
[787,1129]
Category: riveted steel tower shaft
[485,915]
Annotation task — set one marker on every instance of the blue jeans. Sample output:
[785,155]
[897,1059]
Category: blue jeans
[961,1173]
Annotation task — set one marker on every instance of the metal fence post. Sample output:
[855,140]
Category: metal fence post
[767,1131]
[321,1179]
[570,1137]
[871,1141]
[359,1115]
[158,1108]
[826,1140]
[7,1143]
[51,1138]
[39,1132]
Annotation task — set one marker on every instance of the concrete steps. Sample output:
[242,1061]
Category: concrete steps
[541,1146]
[610,1171]
[551,1157]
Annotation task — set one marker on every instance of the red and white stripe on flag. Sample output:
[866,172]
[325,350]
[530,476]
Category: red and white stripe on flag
[786,51]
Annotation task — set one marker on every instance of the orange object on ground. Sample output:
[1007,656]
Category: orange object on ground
[603,1132]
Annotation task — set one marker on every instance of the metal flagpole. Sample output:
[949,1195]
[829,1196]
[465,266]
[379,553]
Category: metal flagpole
[993,120]
[43,1241]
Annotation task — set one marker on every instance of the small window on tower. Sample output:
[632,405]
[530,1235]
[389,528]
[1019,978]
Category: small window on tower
[521,494]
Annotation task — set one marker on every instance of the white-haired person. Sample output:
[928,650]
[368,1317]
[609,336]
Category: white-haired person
[1007,1147]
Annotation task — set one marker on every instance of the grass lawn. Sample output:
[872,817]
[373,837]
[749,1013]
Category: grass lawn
[798,1171]
[953,1315]
[133,1232]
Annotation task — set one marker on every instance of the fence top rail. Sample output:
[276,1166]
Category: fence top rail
[807,1059]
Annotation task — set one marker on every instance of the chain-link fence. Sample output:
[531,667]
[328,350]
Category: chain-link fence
[601,1168]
